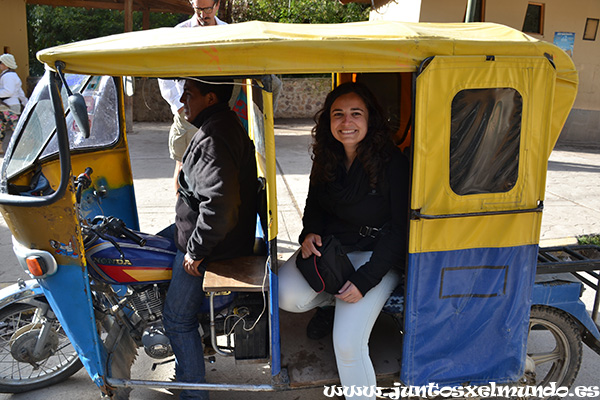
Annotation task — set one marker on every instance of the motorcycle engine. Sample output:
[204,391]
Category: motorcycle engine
[148,303]
[156,343]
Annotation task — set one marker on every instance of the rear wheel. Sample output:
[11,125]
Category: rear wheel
[554,348]
[20,369]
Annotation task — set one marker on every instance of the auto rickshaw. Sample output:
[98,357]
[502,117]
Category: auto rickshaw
[478,108]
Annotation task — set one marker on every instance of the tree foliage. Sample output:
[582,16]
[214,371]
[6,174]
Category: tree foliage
[49,26]
[299,11]
[52,26]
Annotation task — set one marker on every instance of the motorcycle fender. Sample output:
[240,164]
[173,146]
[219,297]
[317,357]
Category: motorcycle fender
[564,295]
[21,292]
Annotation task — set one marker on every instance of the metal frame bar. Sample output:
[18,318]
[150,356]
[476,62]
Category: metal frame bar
[213,331]
[116,382]
[549,264]
[416,214]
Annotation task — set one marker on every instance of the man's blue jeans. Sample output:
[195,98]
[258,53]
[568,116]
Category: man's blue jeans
[180,319]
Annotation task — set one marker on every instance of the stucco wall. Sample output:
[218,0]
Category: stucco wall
[443,10]
[560,16]
[299,98]
[148,105]
[13,35]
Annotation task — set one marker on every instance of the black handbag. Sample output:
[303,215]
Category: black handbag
[330,271]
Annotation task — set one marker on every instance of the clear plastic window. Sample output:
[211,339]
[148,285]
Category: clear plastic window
[34,133]
[100,96]
[36,130]
[485,140]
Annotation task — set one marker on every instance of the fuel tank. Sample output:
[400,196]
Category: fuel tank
[133,264]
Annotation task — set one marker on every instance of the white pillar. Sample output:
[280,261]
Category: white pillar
[398,10]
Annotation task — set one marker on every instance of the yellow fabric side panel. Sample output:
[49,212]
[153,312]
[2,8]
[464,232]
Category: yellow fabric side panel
[564,98]
[474,232]
[437,86]
[271,170]
[266,164]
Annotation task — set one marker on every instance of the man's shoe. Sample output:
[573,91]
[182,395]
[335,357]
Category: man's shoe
[321,324]
[208,347]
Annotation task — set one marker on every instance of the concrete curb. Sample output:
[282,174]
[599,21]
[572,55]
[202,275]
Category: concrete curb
[568,241]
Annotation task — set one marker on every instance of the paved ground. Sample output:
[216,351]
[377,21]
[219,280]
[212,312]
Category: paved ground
[572,208]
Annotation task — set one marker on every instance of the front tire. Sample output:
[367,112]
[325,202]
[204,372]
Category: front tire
[122,352]
[554,346]
[19,326]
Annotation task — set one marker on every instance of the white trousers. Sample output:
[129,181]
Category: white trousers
[353,322]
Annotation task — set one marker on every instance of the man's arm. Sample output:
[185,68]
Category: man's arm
[171,90]
[216,183]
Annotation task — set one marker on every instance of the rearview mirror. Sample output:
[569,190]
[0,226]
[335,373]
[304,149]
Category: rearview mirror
[80,114]
[76,103]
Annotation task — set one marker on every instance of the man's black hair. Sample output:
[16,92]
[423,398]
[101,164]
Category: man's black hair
[222,87]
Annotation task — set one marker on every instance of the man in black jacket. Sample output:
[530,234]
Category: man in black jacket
[215,215]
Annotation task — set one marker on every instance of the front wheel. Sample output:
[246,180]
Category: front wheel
[21,369]
[554,348]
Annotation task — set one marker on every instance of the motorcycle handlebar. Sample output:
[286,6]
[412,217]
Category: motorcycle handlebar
[83,182]
[118,227]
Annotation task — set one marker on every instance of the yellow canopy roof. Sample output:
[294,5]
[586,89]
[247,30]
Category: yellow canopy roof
[254,48]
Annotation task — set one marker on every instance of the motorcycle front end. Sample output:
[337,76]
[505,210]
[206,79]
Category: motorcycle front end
[99,283]
[49,322]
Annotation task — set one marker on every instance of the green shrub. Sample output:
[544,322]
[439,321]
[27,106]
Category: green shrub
[299,11]
[589,239]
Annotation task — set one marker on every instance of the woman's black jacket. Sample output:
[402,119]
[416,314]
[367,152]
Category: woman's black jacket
[348,206]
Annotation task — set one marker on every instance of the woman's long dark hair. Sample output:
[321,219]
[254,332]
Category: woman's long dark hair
[373,151]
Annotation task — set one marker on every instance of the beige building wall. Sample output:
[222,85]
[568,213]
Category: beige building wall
[13,35]
[583,124]
[586,53]
[562,16]
[443,10]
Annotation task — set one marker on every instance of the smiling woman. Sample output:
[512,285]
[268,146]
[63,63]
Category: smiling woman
[358,183]
[349,120]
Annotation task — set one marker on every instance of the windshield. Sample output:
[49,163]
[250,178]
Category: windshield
[35,133]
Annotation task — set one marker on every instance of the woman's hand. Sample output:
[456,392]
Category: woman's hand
[191,266]
[349,293]
[309,245]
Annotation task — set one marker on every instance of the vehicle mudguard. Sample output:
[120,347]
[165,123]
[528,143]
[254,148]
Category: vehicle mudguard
[562,291]
[20,292]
